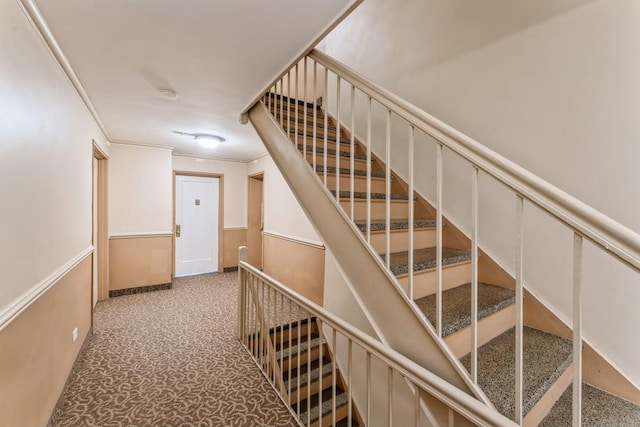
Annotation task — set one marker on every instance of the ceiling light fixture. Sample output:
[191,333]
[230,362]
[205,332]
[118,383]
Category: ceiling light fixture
[168,93]
[206,140]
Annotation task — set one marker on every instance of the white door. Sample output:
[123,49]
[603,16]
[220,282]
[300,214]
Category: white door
[197,222]
[95,231]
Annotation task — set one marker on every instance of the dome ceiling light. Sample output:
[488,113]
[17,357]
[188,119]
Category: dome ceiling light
[206,140]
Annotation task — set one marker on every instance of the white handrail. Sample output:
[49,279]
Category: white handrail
[450,395]
[602,230]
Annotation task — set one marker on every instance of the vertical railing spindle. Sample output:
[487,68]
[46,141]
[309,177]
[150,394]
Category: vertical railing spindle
[315,114]
[519,308]
[308,369]
[411,207]
[387,203]
[338,138]
[368,409]
[352,164]
[349,379]
[296,109]
[576,404]
[390,395]
[333,377]
[369,171]
[474,275]
[326,123]
[439,204]
[289,104]
[304,109]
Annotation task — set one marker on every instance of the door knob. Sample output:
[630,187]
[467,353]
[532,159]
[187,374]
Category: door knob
[177,230]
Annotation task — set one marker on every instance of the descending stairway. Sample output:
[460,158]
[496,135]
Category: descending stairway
[548,368]
[308,375]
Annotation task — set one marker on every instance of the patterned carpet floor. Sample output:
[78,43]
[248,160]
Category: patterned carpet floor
[169,358]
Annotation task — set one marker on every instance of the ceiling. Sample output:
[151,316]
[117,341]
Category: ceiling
[217,54]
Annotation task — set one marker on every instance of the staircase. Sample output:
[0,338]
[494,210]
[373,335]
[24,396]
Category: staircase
[313,383]
[547,358]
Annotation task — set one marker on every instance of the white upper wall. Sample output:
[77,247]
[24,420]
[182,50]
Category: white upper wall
[46,135]
[282,212]
[558,97]
[235,185]
[140,190]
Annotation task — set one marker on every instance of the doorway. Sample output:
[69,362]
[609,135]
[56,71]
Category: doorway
[255,220]
[197,224]
[100,221]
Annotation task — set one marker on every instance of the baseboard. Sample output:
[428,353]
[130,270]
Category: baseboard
[140,290]
[230,269]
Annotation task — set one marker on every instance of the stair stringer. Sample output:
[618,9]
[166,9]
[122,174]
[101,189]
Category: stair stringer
[389,307]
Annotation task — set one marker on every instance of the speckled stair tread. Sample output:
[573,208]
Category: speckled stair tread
[347,171]
[327,369]
[309,134]
[332,152]
[304,345]
[361,195]
[341,400]
[546,357]
[380,225]
[424,259]
[599,408]
[456,305]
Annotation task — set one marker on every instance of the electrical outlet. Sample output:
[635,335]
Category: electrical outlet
[74,334]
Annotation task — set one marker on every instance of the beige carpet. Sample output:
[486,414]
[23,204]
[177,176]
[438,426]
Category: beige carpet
[169,358]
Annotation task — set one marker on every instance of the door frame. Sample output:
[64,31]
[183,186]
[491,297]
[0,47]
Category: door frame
[103,223]
[220,216]
[258,176]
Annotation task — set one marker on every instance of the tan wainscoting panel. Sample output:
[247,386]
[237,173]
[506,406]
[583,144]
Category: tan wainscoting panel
[296,264]
[232,239]
[139,261]
[37,352]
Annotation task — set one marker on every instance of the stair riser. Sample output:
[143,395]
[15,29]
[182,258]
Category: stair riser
[399,240]
[311,390]
[345,162]
[425,282]
[309,117]
[309,128]
[542,408]
[399,209]
[378,185]
[293,360]
[488,328]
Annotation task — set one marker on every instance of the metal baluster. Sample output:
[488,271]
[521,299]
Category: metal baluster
[369,172]
[519,307]
[326,123]
[368,389]
[439,203]
[315,113]
[390,396]
[349,379]
[411,207]
[387,202]
[474,275]
[352,164]
[304,109]
[338,138]
[333,377]
[576,406]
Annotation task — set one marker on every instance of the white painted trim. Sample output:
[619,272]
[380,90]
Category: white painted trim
[32,12]
[234,228]
[140,234]
[258,157]
[8,314]
[214,159]
[301,240]
[142,144]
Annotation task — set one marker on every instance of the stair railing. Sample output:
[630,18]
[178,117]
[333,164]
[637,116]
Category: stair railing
[267,309]
[321,80]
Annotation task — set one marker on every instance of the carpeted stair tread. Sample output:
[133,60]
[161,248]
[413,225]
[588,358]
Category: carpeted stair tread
[303,346]
[424,259]
[599,408]
[396,224]
[456,305]
[327,368]
[347,171]
[546,357]
[327,406]
[374,196]
[331,152]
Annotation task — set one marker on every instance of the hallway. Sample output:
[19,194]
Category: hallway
[169,358]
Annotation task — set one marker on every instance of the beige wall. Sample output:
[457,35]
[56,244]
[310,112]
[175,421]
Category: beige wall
[37,351]
[46,135]
[140,190]
[139,261]
[296,264]
[547,86]
[232,239]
